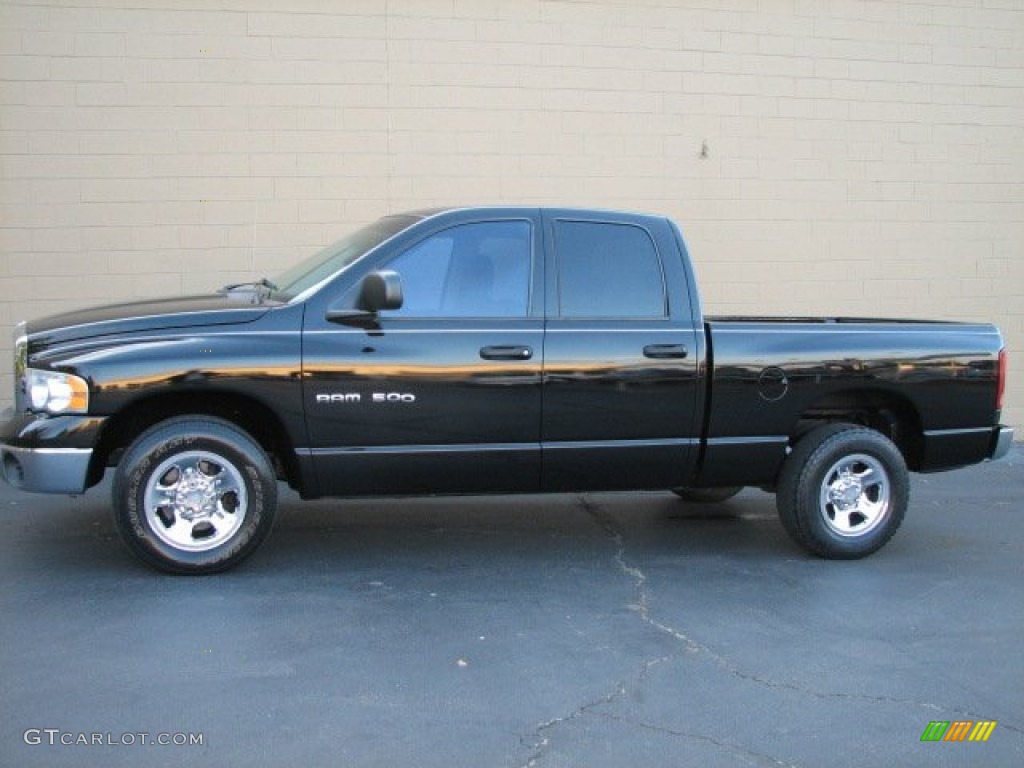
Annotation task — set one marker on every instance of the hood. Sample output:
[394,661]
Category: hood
[149,315]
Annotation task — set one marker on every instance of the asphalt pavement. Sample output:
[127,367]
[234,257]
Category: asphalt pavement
[571,630]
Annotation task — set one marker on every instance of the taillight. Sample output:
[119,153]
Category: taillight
[1001,383]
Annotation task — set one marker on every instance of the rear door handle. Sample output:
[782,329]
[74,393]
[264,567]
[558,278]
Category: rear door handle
[665,351]
[506,352]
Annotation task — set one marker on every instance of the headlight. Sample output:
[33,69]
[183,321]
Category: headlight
[56,392]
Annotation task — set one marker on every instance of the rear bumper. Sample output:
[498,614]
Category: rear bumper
[951,448]
[1002,443]
[47,454]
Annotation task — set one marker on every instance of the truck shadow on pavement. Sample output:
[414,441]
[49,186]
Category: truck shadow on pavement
[429,533]
[525,530]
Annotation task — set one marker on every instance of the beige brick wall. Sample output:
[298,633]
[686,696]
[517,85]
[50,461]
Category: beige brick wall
[861,157]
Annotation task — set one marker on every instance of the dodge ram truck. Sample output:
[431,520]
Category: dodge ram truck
[485,351]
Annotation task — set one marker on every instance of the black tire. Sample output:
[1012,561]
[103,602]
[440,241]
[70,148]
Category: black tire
[843,491]
[194,495]
[707,495]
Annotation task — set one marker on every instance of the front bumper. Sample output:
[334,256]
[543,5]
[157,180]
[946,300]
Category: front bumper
[1002,443]
[47,454]
[46,470]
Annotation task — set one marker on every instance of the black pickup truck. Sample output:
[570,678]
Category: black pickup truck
[489,350]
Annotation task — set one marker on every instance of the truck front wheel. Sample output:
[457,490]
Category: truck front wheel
[194,495]
[843,491]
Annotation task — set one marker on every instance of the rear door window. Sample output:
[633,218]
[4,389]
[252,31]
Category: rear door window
[608,270]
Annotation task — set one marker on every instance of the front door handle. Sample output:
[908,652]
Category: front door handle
[665,351]
[506,352]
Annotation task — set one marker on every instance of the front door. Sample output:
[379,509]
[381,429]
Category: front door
[444,394]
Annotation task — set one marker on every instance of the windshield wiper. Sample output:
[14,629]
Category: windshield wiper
[261,283]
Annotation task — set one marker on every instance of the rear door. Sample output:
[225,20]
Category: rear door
[620,351]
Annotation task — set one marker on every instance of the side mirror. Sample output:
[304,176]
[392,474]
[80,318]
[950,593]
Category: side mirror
[380,291]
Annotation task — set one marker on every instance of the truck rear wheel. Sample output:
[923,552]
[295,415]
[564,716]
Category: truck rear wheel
[194,495]
[843,491]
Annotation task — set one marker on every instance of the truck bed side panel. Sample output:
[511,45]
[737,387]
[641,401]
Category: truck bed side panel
[767,376]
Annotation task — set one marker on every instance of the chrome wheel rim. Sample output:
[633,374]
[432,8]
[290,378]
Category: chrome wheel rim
[195,501]
[855,495]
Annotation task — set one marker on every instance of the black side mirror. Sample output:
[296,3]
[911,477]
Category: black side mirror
[380,291]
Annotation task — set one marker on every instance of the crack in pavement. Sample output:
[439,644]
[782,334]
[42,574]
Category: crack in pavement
[541,741]
[758,757]
[641,606]
[639,578]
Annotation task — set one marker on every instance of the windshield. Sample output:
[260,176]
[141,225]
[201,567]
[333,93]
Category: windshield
[335,257]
